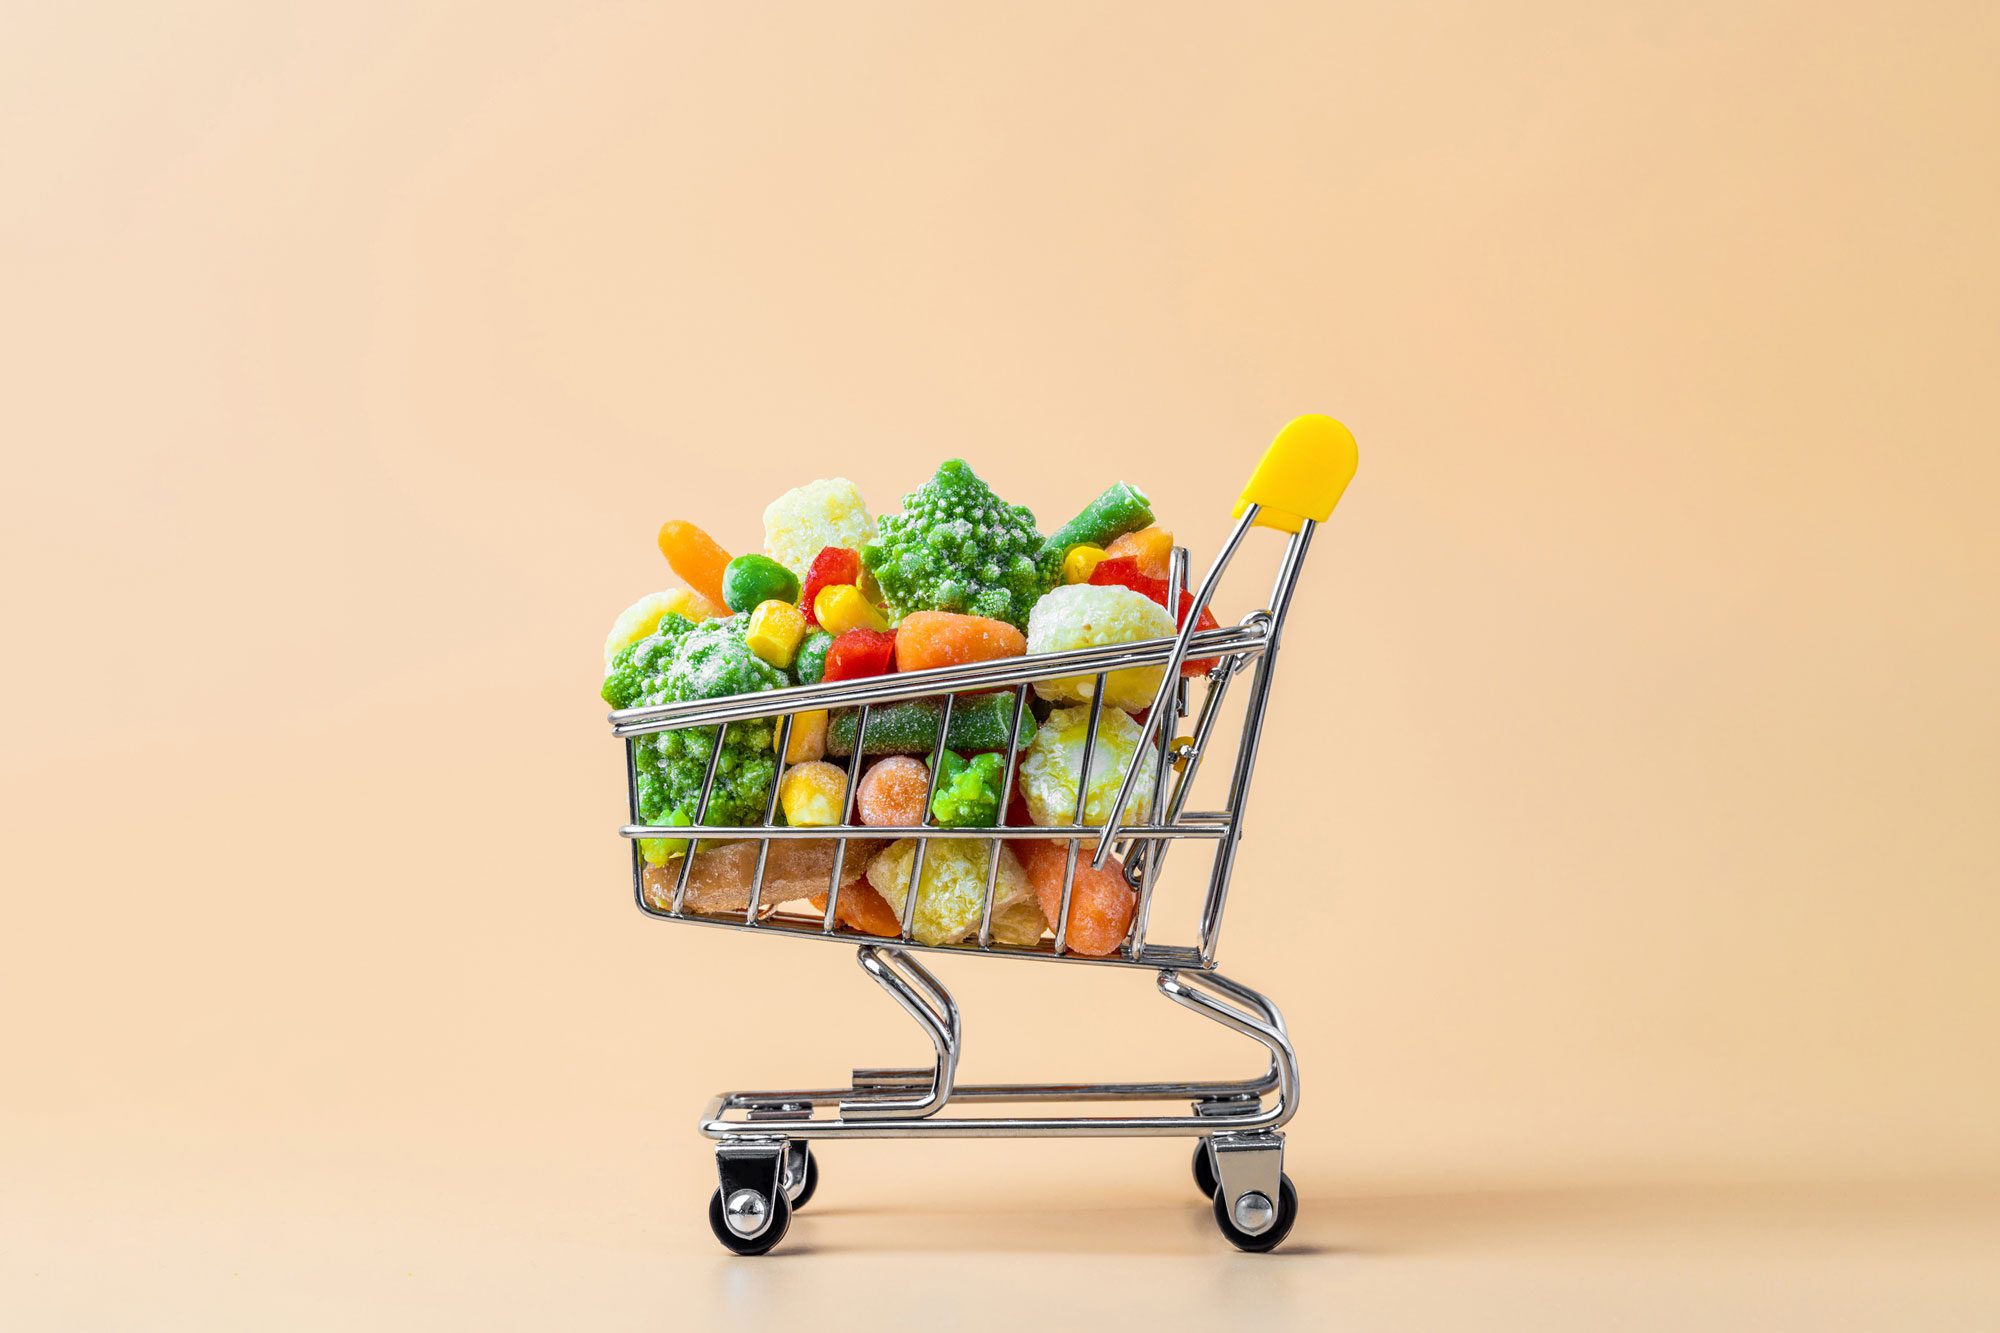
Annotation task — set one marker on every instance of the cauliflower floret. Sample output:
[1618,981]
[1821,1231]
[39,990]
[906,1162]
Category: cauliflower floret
[805,520]
[1053,765]
[954,890]
[1086,615]
[641,618]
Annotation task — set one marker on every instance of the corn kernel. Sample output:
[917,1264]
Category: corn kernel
[840,607]
[808,737]
[1081,561]
[775,631]
[813,794]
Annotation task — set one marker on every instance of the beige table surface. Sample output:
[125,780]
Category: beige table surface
[991,1237]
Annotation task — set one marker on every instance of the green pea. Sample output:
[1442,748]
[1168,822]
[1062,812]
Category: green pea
[810,664]
[751,579]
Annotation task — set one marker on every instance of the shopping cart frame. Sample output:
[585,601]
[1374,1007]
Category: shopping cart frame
[764,1161]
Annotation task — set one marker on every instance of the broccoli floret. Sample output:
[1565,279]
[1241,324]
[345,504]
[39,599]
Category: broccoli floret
[968,793]
[958,547]
[682,661]
[635,669]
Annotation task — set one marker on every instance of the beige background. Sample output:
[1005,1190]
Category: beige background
[1626,859]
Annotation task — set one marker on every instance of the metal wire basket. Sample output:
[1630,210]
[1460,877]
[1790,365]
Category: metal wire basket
[764,1161]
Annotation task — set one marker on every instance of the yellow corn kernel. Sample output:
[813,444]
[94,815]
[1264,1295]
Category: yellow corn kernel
[840,607]
[1080,563]
[775,631]
[813,794]
[808,737]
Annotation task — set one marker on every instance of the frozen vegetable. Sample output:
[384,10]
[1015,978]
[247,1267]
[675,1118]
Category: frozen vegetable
[1078,563]
[834,564]
[859,652]
[1124,572]
[978,722]
[946,638]
[803,521]
[861,908]
[679,661]
[750,579]
[958,547]
[1087,615]
[810,664]
[641,618]
[952,893]
[813,794]
[1100,901]
[891,794]
[840,607]
[1053,764]
[720,880]
[968,790]
[1150,548]
[775,631]
[1122,508]
[695,556]
[808,739]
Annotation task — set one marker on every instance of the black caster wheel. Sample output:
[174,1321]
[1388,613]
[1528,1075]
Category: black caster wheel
[1270,1237]
[1204,1170]
[812,1182]
[764,1241]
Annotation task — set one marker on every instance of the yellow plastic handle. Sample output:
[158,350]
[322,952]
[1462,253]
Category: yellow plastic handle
[1302,475]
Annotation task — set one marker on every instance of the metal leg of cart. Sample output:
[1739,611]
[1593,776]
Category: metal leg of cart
[767,1170]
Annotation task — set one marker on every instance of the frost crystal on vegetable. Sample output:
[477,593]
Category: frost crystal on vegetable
[681,661]
[958,547]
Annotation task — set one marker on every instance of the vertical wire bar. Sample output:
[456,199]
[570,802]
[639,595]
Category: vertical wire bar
[1006,795]
[1154,852]
[1082,801]
[847,802]
[632,792]
[1211,710]
[770,813]
[924,818]
[1246,749]
[700,813]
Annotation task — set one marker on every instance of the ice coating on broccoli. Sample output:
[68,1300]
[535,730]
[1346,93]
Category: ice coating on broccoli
[958,547]
[680,661]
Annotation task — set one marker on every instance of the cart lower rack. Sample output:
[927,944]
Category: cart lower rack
[764,1159]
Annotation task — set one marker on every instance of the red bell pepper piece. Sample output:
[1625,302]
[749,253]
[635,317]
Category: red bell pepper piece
[1122,571]
[833,565]
[860,652]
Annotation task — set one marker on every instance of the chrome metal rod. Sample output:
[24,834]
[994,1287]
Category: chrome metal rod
[1000,817]
[700,812]
[1218,999]
[925,999]
[1061,923]
[770,813]
[848,800]
[1187,828]
[1247,747]
[916,885]
[979,677]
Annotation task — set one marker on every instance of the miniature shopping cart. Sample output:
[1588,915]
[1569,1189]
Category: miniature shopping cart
[763,1153]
